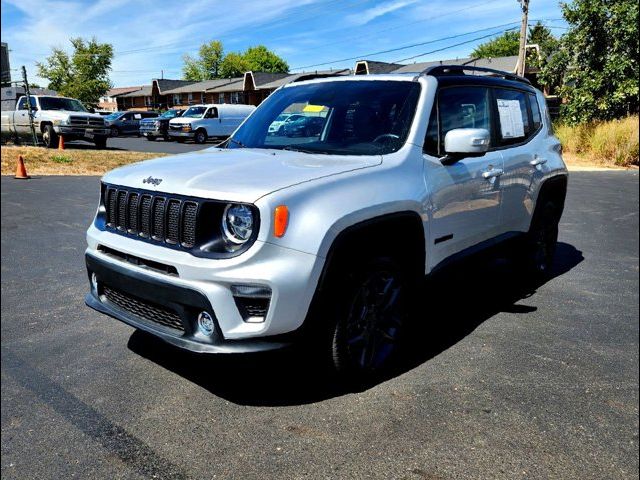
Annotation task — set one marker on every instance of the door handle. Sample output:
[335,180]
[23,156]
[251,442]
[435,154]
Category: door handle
[538,161]
[493,173]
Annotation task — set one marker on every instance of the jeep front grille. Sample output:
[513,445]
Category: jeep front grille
[152,216]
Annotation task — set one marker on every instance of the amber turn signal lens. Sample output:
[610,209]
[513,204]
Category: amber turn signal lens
[280,220]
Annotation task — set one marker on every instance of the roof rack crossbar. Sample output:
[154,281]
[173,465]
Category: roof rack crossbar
[438,70]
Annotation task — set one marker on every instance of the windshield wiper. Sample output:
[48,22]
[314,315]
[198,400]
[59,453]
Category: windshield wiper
[237,142]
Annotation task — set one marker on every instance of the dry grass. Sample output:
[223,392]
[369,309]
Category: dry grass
[613,143]
[43,161]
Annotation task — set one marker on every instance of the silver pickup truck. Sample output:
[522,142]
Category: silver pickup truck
[54,117]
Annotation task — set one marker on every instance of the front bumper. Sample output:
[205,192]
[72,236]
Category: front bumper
[290,275]
[81,132]
[152,130]
[187,302]
[173,133]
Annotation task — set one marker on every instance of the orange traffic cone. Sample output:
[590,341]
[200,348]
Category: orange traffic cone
[21,171]
[60,142]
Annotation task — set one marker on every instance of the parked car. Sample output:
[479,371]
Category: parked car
[304,127]
[277,126]
[201,122]
[126,123]
[52,117]
[267,241]
[156,127]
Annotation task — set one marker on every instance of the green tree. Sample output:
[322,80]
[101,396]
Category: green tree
[213,63]
[234,65]
[598,61]
[83,75]
[261,59]
[207,65]
[505,45]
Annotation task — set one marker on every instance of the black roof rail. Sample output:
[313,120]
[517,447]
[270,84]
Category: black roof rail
[438,70]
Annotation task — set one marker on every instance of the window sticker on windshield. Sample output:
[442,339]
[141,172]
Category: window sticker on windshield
[137,116]
[511,124]
[313,108]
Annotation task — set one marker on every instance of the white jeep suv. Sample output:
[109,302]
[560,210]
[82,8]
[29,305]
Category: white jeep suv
[267,240]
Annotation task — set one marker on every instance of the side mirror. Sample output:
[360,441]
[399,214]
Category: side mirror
[465,142]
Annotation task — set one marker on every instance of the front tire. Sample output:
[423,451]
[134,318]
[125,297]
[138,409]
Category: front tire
[115,132]
[371,310]
[49,137]
[151,138]
[100,142]
[200,137]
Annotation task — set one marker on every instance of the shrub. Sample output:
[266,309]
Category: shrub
[613,142]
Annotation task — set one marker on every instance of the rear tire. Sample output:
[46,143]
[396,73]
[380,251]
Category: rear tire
[151,138]
[540,243]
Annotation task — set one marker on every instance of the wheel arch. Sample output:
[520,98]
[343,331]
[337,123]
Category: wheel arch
[555,189]
[379,235]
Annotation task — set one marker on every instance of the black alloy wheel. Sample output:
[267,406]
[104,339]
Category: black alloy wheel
[369,330]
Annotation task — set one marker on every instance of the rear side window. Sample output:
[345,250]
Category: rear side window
[513,117]
[457,107]
[536,118]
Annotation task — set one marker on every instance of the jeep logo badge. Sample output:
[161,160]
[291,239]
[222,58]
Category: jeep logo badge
[153,181]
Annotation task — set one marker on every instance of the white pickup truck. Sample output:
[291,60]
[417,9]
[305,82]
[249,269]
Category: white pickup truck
[201,122]
[54,117]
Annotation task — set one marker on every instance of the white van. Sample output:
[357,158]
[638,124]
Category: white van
[201,122]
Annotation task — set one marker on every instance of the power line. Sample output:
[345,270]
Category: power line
[409,46]
[452,46]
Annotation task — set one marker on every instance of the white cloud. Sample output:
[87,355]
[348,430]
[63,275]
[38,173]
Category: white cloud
[366,16]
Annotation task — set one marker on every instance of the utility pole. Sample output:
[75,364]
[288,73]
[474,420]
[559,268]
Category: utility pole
[523,37]
[27,94]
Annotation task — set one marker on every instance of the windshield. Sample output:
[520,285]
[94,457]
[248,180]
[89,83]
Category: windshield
[343,117]
[113,116]
[169,114]
[194,112]
[59,103]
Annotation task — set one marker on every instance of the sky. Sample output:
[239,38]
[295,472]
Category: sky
[151,36]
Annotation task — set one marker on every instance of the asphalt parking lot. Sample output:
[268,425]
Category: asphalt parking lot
[509,380]
[141,144]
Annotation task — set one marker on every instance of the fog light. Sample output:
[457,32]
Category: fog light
[205,324]
[94,281]
[250,291]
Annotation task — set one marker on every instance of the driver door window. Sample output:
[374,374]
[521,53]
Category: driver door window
[465,205]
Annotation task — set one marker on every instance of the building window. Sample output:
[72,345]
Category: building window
[190,98]
[147,101]
[235,97]
[221,98]
[176,99]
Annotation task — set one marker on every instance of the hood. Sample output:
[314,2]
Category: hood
[64,114]
[242,175]
[183,120]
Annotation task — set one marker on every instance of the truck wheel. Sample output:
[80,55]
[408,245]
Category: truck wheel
[540,242]
[167,138]
[200,136]
[115,131]
[100,142]
[49,137]
[151,138]
[370,314]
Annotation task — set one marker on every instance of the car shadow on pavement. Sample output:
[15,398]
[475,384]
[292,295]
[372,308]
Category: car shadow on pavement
[454,304]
